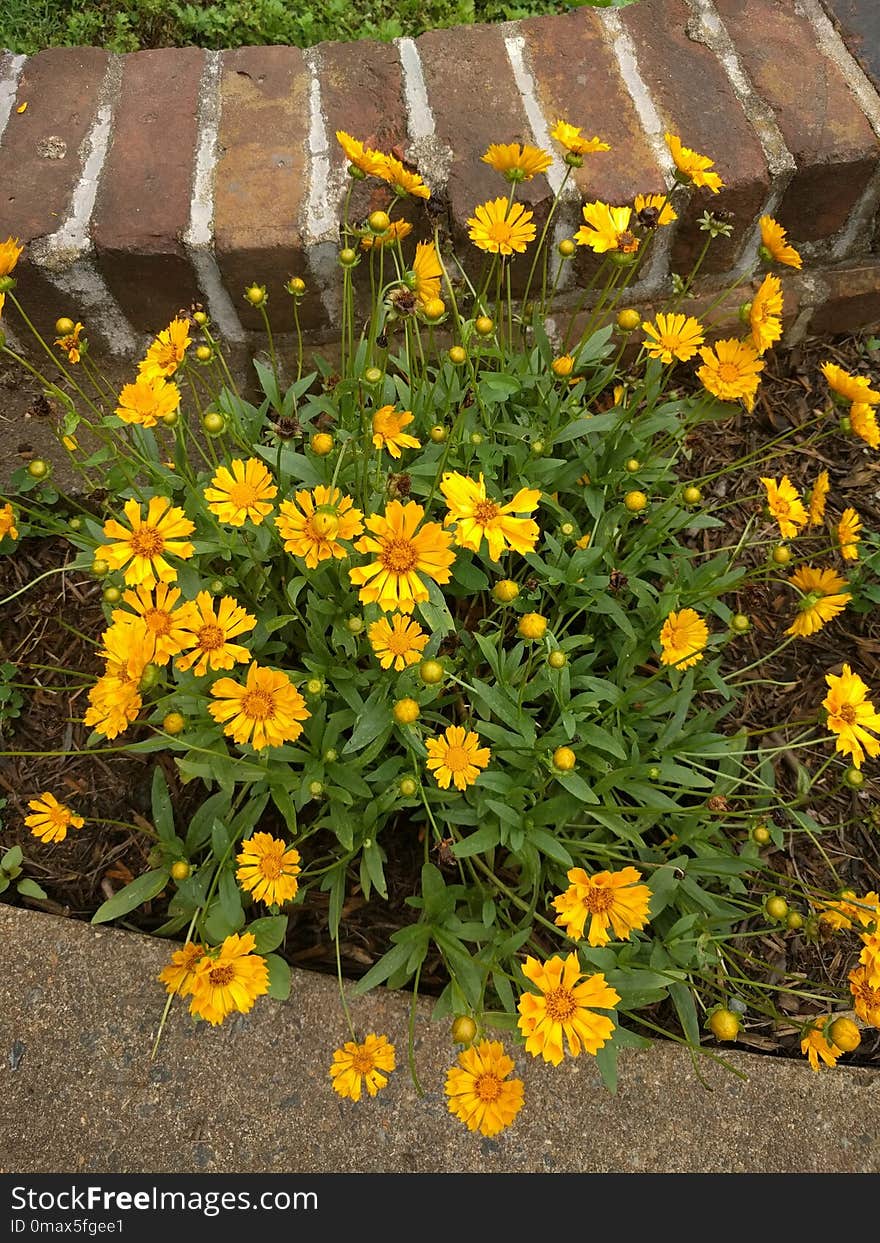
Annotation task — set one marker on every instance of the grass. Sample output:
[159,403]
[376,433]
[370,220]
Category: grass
[129,25]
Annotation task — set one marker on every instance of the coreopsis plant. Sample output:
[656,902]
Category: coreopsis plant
[463,591]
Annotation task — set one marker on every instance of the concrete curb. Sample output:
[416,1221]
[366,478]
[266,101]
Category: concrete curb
[78,1013]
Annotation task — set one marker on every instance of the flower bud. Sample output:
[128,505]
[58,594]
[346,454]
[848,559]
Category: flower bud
[296,286]
[315,686]
[557,659]
[692,495]
[256,295]
[100,567]
[564,759]
[64,327]
[844,1033]
[457,355]
[204,353]
[321,443]
[635,502]
[781,554]
[464,1029]
[434,310]
[724,1024]
[174,723]
[776,907]
[38,468]
[354,625]
[628,319]
[438,433]
[347,257]
[505,590]
[214,423]
[180,870]
[632,466]
[112,595]
[405,711]
[740,623]
[566,248]
[316,788]
[379,222]
[331,755]
[431,672]
[532,626]
[476,438]
[372,375]
[407,787]
[854,778]
[484,325]
[562,366]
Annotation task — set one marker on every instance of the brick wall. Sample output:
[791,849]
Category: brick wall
[146,181]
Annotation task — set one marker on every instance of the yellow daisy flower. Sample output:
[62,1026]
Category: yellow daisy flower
[693,166]
[178,975]
[397,231]
[70,343]
[402,180]
[267,869]
[866,999]
[731,371]
[851,716]
[606,898]
[358,1066]
[313,525]
[855,388]
[126,651]
[786,506]
[266,711]
[398,642]
[371,162]
[167,351]
[824,594]
[814,1045]
[560,1010]
[402,553]
[863,422]
[456,757]
[114,702]
[162,628]
[479,1091]
[848,534]
[606,228]
[774,245]
[843,913]
[476,516]
[869,957]
[765,313]
[210,633]
[501,228]
[818,496]
[10,250]
[653,210]
[570,137]
[673,337]
[147,400]
[517,162]
[388,433]
[683,637]
[141,547]
[240,491]
[231,979]
[51,819]
[7,522]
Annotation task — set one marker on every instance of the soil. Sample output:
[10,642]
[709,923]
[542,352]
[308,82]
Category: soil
[52,631]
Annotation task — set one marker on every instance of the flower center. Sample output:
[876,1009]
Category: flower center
[398,555]
[362,1062]
[146,542]
[258,705]
[157,620]
[456,759]
[487,1087]
[211,637]
[325,524]
[270,866]
[598,899]
[398,643]
[220,976]
[847,713]
[728,372]
[485,512]
[560,1004]
[501,232]
[243,495]
[59,817]
[627,243]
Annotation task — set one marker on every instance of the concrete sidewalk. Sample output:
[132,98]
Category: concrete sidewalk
[78,1012]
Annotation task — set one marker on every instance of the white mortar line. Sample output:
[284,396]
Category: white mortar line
[419,115]
[525,84]
[321,225]
[199,236]
[9,88]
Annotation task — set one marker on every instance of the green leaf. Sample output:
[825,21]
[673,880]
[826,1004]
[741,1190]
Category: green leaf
[374,718]
[548,845]
[279,977]
[160,799]
[683,1000]
[385,967]
[268,932]
[577,786]
[12,859]
[141,890]
[30,889]
[477,843]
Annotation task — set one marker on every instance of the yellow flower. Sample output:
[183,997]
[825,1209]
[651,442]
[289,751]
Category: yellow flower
[167,351]
[773,242]
[141,547]
[765,312]
[115,701]
[162,628]
[313,525]
[855,388]
[266,711]
[815,1046]
[396,232]
[532,626]
[818,496]
[683,637]
[863,422]
[402,553]
[570,137]
[731,371]
[427,272]
[693,166]
[786,506]
[178,975]
[401,179]
[606,228]
[7,522]
[651,203]
[605,898]
[561,1010]
[398,643]
[126,650]
[866,999]
[147,400]
[210,632]
[267,869]
[231,979]
[848,534]
[501,228]
[9,253]
[869,957]
[71,343]
[358,1066]
[824,595]
[388,433]
[476,516]
[673,336]
[516,162]
[843,913]
[456,756]
[365,158]
[479,1091]
[851,716]
[240,491]
[51,819]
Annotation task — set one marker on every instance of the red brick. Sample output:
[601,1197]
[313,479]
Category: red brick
[143,204]
[696,101]
[852,302]
[262,175]
[823,126]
